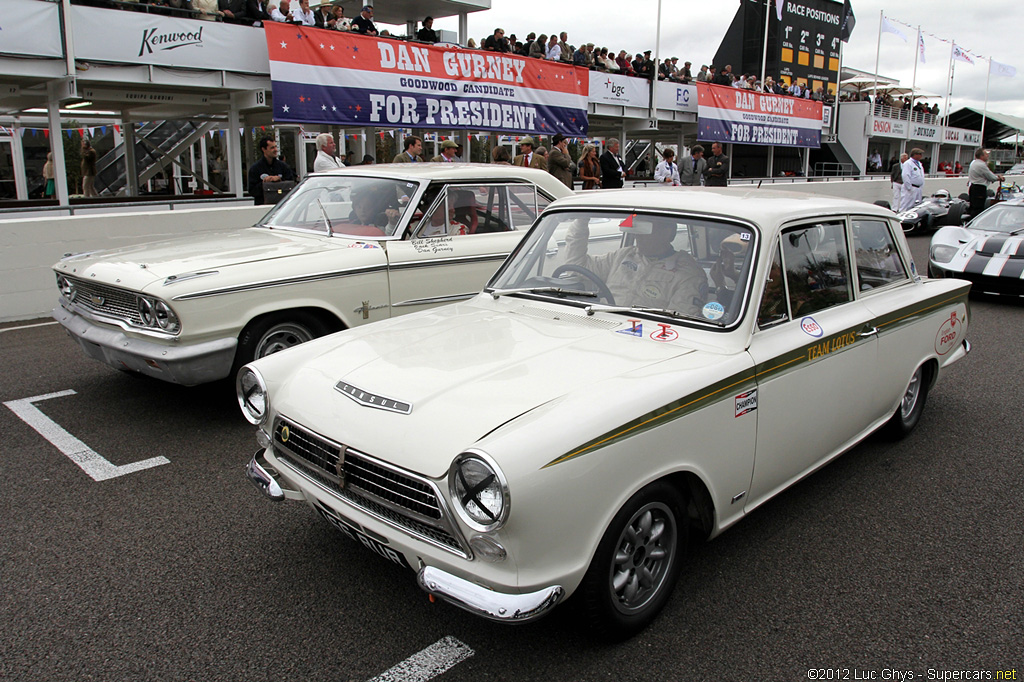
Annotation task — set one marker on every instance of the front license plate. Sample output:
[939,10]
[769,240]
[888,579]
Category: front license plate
[349,528]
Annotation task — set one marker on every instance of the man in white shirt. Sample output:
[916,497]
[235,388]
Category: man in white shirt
[667,171]
[554,50]
[303,14]
[325,159]
[913,179]
[979,176]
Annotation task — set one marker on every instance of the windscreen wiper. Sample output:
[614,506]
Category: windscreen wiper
[330,228]
[590,309]
[547,290]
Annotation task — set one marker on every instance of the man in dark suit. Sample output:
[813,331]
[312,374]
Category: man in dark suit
[526,157]
[692,169]
[324,15]
[613,168]
[257,10]
[717,172]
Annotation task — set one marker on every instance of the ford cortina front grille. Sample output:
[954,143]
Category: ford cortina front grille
[397,497]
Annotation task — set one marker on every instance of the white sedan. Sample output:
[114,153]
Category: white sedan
[647,367]
[344,248]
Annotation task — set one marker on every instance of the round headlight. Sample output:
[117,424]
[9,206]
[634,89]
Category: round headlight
[165,317]
[479,491]
[67,288]
[252,395]
[146,312]
[943,253]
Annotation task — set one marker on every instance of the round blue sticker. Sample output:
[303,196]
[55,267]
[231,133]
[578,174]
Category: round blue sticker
[713,310]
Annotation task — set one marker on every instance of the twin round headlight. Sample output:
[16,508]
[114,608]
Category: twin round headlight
[252,395]
[156,313]
[479,491]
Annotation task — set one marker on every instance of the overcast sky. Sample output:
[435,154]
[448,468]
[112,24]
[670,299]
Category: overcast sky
[693,29]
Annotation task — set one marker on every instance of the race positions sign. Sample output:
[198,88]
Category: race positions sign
[347,79]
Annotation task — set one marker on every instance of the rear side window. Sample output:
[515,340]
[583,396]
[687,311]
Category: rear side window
[877,258]
[817,267]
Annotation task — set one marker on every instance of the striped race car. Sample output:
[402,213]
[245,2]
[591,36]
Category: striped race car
[988,252]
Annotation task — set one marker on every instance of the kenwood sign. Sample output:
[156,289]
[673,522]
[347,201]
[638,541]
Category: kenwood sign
[152,39]
[139,38]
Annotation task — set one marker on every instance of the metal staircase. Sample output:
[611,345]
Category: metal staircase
[157,146]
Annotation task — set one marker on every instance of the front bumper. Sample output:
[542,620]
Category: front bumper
[477,599]
[186,365]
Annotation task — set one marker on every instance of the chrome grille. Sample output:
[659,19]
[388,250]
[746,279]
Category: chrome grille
[400,499]
[106,300]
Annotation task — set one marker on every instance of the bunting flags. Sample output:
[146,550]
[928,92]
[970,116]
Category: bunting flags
[962,55]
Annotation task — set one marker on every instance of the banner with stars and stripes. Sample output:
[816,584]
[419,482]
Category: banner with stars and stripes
[347,79]
[726,114]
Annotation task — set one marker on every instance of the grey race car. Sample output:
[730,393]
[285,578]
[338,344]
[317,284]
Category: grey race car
[933,212]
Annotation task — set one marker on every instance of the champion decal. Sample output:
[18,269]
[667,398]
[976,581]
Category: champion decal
[746,403]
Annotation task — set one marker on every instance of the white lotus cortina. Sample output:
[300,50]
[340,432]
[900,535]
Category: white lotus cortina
[344,248]
[646,367]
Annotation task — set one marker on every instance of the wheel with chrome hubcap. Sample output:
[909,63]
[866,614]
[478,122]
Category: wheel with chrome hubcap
[908,414]
[276,332]
[637,562]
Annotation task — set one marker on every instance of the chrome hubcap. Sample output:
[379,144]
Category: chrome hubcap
[910,397]
[280,337]
[645,551]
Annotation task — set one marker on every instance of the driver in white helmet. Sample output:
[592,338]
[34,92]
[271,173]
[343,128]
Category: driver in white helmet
[648,273]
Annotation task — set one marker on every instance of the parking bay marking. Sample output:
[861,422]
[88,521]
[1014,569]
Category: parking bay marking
[90,461]
[429,663]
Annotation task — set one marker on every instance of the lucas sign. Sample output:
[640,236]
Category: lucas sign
[346,79]
[726,114]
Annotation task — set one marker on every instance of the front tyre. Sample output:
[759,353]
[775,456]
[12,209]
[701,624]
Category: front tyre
[911,406]
[277,332]
[637,563]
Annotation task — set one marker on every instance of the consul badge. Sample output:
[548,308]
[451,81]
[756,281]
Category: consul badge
[372,400]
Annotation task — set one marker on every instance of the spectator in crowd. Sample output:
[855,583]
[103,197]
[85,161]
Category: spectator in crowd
[281,12]
[325,159]
[542,152]
[471,44]
[979,176]
[875,161]
[613,168]
[350,158]
[703,76]
[257,11]
[667,171]
[234,12]
[625,68]
[560,164]
[303,14]
[590,167]
[447,154]
[579,57]
[527,44]
[795,90]
[324,15]
[367,160]
[646,69]
[913,179]
[208,9]
[427,34]
[48,176]
[725,77]
[685,75]
[88,169]
[554,50]
[665,70]
[538,48]
[269,168]
[364,22]
[563,42]
[527,157]
[497,42]
[691,171]
[341,22]
[637,64]
[896,178]
[716,173]
[500,155]
[413,148]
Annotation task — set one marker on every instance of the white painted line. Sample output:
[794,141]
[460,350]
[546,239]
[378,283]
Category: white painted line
[429,663]
[27,326]
[90,461]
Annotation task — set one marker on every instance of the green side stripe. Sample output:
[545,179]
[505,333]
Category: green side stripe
[746,380]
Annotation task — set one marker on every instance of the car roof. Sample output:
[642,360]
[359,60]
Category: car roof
[763,207]
[447,171]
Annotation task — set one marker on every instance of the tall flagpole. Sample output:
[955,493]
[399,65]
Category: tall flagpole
[984,113]
[878,50]
[764,50]
[949,78]
[913,82]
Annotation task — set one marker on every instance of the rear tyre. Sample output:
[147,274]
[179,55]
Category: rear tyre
[637,563]
[911,406]
[277,332]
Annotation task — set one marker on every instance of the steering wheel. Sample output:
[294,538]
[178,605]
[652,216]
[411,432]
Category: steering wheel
[602,288]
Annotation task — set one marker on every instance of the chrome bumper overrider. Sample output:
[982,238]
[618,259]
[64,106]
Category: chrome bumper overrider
[186,365]
[262,475]
[506,608]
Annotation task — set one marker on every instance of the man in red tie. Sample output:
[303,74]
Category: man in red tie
[447,154]
[526,157]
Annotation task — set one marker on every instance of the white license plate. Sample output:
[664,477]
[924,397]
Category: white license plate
[351,529]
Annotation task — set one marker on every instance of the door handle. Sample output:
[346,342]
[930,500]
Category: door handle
[868,332]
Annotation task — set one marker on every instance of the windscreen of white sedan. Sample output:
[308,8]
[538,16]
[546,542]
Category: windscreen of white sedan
[1008,218]
[347,205]
[681,267]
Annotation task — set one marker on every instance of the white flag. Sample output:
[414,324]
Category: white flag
[920,46]
[962,54]
[889,28]
[778,8]
[1001,69]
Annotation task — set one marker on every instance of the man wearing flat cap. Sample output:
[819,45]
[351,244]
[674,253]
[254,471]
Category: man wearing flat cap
[447,155]
[527,158]
[364,22]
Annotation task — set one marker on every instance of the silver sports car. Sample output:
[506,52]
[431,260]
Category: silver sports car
[988,251]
